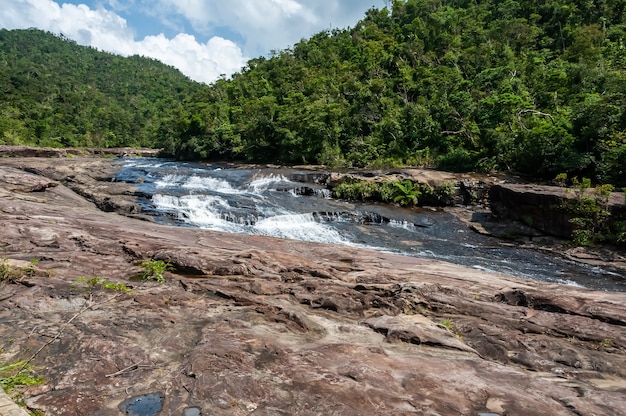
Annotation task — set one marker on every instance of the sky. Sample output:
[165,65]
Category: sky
[204,39]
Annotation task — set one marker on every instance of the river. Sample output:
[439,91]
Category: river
[267,201]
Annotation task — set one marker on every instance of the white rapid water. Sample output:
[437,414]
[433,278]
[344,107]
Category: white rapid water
[249,200]
[263,183]
[207,205]
[214,213]
[202,211]
[299,227]
[197,183]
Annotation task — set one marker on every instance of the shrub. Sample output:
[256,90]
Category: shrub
[155,270]
[446,323]
[18,374]
[97,282]
[591,214]
[458,160]
[12,274]
[405,193]
[445,193]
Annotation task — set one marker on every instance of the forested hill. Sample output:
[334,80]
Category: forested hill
[534,86]
[537,87]
[54,92]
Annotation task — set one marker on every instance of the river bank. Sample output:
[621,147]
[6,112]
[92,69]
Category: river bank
[469,199]
[256,325]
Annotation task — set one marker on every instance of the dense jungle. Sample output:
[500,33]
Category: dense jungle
[533,87]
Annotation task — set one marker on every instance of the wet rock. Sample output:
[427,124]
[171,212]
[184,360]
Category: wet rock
[422,222]
[255,325]
[143,405]
[192,411]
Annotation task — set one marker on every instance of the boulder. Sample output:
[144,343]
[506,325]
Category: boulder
[542,207]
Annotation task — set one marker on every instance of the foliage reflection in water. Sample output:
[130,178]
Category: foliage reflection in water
[143,405]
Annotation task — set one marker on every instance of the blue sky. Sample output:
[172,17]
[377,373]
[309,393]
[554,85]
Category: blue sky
[202,38]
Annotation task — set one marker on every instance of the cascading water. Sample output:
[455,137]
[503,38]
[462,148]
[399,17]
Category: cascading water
[267,202]
[251,204]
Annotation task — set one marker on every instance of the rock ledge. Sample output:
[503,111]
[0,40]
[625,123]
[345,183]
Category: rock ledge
[249,325]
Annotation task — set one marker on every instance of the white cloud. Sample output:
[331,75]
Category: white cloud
[260,25]
[202,62]
[266,24]
[108,31]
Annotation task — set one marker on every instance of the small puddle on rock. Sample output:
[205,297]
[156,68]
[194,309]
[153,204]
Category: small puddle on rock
[144,405]
[192,411]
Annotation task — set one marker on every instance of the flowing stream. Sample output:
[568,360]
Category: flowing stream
[270,202]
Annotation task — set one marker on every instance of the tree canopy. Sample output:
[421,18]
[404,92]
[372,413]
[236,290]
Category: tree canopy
[56,93]
[536,87]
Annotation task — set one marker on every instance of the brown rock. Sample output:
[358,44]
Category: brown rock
[250,325]
[416,329]
[540,206]
[28,151]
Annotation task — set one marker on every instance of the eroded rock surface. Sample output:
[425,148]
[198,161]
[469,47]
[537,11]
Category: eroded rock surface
[249,325]
[542,206]
[90,178]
